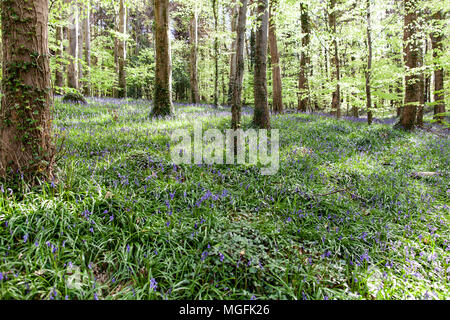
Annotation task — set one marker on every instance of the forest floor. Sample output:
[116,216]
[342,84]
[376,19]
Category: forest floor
[344,217]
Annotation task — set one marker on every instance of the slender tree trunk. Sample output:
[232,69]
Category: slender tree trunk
[80,45]
[304,59]
[59,75]
[261,116]
[368,72]
[216,54]
[122,50]
[87,49]
[236,103]
[26,148]
[163,68]
[411,56]
[72,70]
[234,21]
[437,38]
[336,101]
[193,65]
[275,61]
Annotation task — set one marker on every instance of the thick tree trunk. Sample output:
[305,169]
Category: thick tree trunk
[421,106]
[193,65]
[122,51]
[411,57]
[25,119]
[275,61]
[336,101]
[72,70]
[368,72]
[87,49]
[437,38]
[304,59]
[236,103]
[261,116]
[163,69]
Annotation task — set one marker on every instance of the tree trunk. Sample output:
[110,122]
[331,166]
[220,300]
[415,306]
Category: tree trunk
[368,72]
[59,75]
[26,148]
[336,101]
[234,21]
[236,103]
[72,70]
[216,54]
[437,38]
[193,65]
[420,109]
[87,49]
[261,116]
[80,45]
[275,61]
[163,65]
[122,51]
[411,57]
[304,59]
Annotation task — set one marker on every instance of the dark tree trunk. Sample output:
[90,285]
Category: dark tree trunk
[193,59]
[261,116]
[277,96]
[437,45]
[26,147]
[411,57]
[236,103]
[304,59]
[163,66]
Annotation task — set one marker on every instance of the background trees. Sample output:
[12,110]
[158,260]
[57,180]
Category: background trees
[319,52]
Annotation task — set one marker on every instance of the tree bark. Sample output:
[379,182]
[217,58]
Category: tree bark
[336,101]
[411,58]
[193,65]
[261,116]
[59,75]
[26,148]
[87,49]
[236,103]
[216,54]
[80,45]
[437,38]
[234,20]
[122,51]
[275,62]
[368,72]
[72,70]
[304,59]
[163,65]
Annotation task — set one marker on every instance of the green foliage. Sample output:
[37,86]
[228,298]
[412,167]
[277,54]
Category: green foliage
[121,214]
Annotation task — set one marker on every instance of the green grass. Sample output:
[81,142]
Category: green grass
[121,217]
